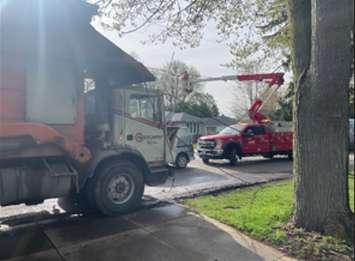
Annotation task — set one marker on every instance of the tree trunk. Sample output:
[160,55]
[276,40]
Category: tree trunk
[322,65]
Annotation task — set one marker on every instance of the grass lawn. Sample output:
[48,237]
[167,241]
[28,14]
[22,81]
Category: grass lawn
[261,211]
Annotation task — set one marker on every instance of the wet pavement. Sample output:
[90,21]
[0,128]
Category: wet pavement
[56,231]
[163,233]
[200,178]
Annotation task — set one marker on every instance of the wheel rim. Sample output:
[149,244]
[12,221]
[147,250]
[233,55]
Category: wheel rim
[182,161]
[120,188]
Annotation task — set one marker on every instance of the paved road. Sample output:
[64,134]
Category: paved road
[218,175]
[196,179]
[168,233]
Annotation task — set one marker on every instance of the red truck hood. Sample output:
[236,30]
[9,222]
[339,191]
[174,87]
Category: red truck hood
[219,137]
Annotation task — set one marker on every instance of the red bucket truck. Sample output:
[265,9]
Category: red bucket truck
[258,137]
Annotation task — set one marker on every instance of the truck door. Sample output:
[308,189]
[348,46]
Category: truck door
[144,128]
[255,139]
[263,139]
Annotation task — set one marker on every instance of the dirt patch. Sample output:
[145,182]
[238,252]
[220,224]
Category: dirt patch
[314,246]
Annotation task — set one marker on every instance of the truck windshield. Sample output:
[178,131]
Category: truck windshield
[144,106]
[230,130]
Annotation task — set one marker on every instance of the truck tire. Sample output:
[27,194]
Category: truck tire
[290,156]
[118,188]
[182,160]
[206,160]
[233,157]
[268,155]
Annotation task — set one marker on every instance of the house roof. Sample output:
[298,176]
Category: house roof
[219,121]
[57,29]
[181,117]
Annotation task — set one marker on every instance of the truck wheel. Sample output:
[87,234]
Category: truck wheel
[233,157]
[118,188]
[206,160]
[290,156]
[268,155]
[181,161]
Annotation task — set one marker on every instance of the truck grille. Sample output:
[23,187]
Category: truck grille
[206,144]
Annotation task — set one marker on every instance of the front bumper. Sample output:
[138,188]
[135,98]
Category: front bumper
[210,153]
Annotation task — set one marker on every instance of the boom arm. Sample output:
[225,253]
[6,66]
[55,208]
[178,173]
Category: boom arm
[253,112]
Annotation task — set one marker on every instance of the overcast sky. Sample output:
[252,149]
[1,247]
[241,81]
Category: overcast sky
[207,59]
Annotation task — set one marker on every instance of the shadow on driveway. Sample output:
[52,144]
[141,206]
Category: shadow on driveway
[167,233]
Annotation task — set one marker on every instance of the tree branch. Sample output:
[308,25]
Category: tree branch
[157,10]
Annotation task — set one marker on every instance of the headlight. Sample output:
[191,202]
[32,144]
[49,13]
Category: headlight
[219,144]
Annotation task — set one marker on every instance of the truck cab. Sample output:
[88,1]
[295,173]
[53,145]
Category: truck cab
[135,121]
[242,140]
[132,141]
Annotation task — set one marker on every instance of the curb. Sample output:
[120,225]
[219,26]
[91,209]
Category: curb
[267,252]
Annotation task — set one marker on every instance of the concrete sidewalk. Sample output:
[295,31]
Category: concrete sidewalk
[168,233]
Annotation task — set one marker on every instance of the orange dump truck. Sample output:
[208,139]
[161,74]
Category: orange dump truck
[69,126]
